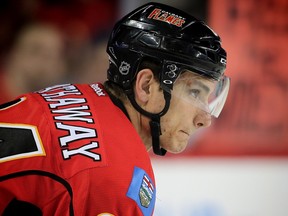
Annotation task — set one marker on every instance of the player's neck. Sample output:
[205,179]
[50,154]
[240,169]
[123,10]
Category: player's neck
[141,125]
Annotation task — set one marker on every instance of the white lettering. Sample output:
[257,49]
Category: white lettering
[84,150]
[75,133]
[75,114]
[61,94]
[65,102]
[97,89]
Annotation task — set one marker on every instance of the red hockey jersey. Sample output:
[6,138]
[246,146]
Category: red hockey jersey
[69,150]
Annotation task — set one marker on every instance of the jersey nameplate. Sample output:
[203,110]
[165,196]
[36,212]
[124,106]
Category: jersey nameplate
[73,117]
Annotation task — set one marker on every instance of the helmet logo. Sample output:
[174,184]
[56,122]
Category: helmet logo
[164,16]
[171,73]
[124,68]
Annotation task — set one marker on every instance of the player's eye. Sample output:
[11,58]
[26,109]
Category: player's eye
[194,93]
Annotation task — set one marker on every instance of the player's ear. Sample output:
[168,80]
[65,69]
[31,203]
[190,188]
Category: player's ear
[144,81]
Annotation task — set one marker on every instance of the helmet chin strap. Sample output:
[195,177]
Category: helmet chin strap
[155,133]
[155,127]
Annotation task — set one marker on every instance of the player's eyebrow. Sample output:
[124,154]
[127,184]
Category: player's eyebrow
[202,85]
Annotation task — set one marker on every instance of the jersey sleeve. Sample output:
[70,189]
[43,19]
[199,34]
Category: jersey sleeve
[114,193]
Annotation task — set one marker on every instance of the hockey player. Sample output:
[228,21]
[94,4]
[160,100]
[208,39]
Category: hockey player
[82,149]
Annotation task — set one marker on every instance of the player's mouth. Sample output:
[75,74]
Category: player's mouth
[185,132]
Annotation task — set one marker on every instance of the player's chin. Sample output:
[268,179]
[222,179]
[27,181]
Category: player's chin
[176,147]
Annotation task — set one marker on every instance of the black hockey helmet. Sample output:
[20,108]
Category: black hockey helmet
[174,39]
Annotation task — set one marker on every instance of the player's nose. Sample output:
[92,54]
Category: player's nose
[202,119]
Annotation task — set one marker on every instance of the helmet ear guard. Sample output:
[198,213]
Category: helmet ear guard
[171,37]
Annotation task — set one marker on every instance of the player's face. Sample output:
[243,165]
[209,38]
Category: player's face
[185,116]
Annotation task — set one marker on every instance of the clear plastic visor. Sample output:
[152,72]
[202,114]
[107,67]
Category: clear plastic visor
[198,91]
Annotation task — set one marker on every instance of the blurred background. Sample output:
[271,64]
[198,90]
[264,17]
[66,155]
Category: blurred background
[237,167]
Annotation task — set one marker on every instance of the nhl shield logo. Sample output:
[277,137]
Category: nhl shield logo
[124,68]
[146,192]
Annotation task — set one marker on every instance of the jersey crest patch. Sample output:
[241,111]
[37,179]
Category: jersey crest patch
[146,192]
[142,191]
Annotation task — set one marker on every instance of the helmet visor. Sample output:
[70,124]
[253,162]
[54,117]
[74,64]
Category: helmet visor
[198,91]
